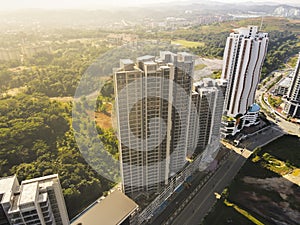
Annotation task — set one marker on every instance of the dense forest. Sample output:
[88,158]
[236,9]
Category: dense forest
[36,133]
[36,140]
[56,73]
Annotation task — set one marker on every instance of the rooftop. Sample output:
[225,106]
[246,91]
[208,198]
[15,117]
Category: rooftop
[150,63]
[28,193]
[6,186]
[48,178]
[250,31]
[164,67]
[43,197]
[286,82]
[184,54]
[30,188]
[221,82]
[205,82]
[126,61]
[112,210]
[145,58]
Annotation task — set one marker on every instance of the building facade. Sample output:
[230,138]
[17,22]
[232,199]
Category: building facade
[153,97]
[244,54]
[283,86]
[292,106]
[35,201]
[205,121]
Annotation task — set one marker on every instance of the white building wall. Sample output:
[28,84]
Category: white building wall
[244,54]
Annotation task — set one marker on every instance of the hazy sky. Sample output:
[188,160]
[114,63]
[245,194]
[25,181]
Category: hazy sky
[63,4]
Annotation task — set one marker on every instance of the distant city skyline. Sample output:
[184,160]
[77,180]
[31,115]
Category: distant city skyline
[98,4]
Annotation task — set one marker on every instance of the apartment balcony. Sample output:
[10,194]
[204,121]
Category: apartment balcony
[17,221]
[31,218]
[27,217]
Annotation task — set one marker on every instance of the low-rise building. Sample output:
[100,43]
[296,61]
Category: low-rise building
[115,209]
[283,86]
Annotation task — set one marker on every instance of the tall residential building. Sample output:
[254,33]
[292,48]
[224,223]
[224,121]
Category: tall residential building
[35,201]
[292,106]
[244,54]
[205,121]
[153,99]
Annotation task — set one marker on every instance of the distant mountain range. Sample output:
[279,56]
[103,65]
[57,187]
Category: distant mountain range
[157,11]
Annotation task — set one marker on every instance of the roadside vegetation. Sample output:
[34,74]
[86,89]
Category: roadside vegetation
[200,66]
[293,60]
[275,101]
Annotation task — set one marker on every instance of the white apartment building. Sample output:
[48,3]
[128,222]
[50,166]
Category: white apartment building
[244,54]
[205,122]
[37,201]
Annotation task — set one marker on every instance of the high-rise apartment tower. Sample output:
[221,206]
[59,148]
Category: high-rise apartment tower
[244,54]
[205,121]
[153,97]
[292,106]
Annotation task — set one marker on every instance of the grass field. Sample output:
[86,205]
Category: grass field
[104,120]
[188,44]
[200,66]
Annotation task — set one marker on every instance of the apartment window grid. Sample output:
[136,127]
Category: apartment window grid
[139,120]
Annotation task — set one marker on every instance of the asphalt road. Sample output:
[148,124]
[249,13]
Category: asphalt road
[262,138]
[288,127]
[204,200]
